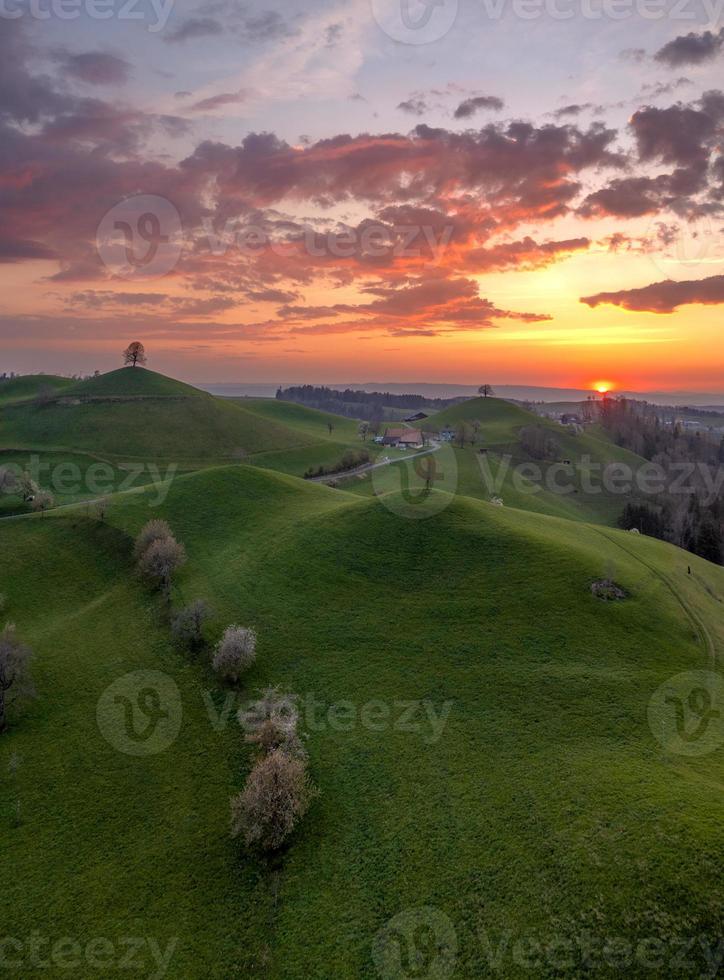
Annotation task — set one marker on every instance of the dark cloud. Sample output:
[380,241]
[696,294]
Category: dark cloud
[217,101]
[272,295]
[17,250]
[575,109]
[95,67]
[194,27]
[468,107]
[634,56]
[691,49]
[664,297]
[416,107]
[332,34]
[271,26]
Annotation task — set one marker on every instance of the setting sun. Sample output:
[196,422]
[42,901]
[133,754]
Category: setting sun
[603,387]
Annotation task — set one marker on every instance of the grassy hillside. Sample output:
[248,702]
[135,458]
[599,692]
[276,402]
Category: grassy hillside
[500,419]
[137,414]
[545,807]
[579,461]
[30,385]
[302,419]
[135,382]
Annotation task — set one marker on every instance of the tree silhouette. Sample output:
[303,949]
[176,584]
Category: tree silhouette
[134,354]
[485,390]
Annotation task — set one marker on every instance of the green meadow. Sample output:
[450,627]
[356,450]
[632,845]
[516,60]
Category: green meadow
[524,793]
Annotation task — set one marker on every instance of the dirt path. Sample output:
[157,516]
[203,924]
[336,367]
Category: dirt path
[368,467]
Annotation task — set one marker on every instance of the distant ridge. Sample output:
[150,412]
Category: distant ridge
[443,390]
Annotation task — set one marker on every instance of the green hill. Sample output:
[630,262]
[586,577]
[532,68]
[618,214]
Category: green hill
[492,462]
[134,382]
[137,414]
[542,807]
[500,419]
[30,386]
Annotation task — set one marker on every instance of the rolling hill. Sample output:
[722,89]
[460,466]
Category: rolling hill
[30,386]
[136,414]
[579,457]
[541,807]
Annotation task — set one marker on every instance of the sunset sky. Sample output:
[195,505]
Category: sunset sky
[374,189]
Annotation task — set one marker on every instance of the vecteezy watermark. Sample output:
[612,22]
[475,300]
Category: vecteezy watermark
[420,485]
[68,479]
[131,954]
[686,714]
[155,11]
[690,11]
[587,476]
[369,240]
[141,237]
[140,713]
[423,943]
[679,249]
[422,718]
[415,21]
[419,943]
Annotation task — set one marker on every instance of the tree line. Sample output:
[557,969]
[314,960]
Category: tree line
[687,513]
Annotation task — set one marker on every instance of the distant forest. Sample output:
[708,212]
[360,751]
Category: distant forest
[370,405]
[690,513]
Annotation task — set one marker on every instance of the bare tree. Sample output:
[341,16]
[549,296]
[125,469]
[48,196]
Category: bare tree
[271,723]
[235,652]
[276,796]
[135,354]
[362,429]
[14,678]
[187,624]
[462,433]
[27,487]
[153,530]
[485,390]
[160,561]
[42,501]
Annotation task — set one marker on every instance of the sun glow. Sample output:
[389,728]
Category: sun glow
[603,387]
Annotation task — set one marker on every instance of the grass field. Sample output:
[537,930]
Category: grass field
[543,807]
[136,415]
[30,385]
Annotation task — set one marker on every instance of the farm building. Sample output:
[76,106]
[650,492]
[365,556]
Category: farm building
[405,438]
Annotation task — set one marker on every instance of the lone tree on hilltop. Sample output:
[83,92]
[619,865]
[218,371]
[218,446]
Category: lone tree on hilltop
[485,390]
[134,354]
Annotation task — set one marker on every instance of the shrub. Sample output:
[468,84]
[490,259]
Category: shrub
[235,652]
[43,500]
[271,723]
[14,679]
[160,561]
[154,530]
[187,624]
[276,796]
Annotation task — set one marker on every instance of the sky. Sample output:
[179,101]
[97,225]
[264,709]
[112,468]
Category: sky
[465,191]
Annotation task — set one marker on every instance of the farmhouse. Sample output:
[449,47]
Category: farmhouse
[417,417]
[404,438]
